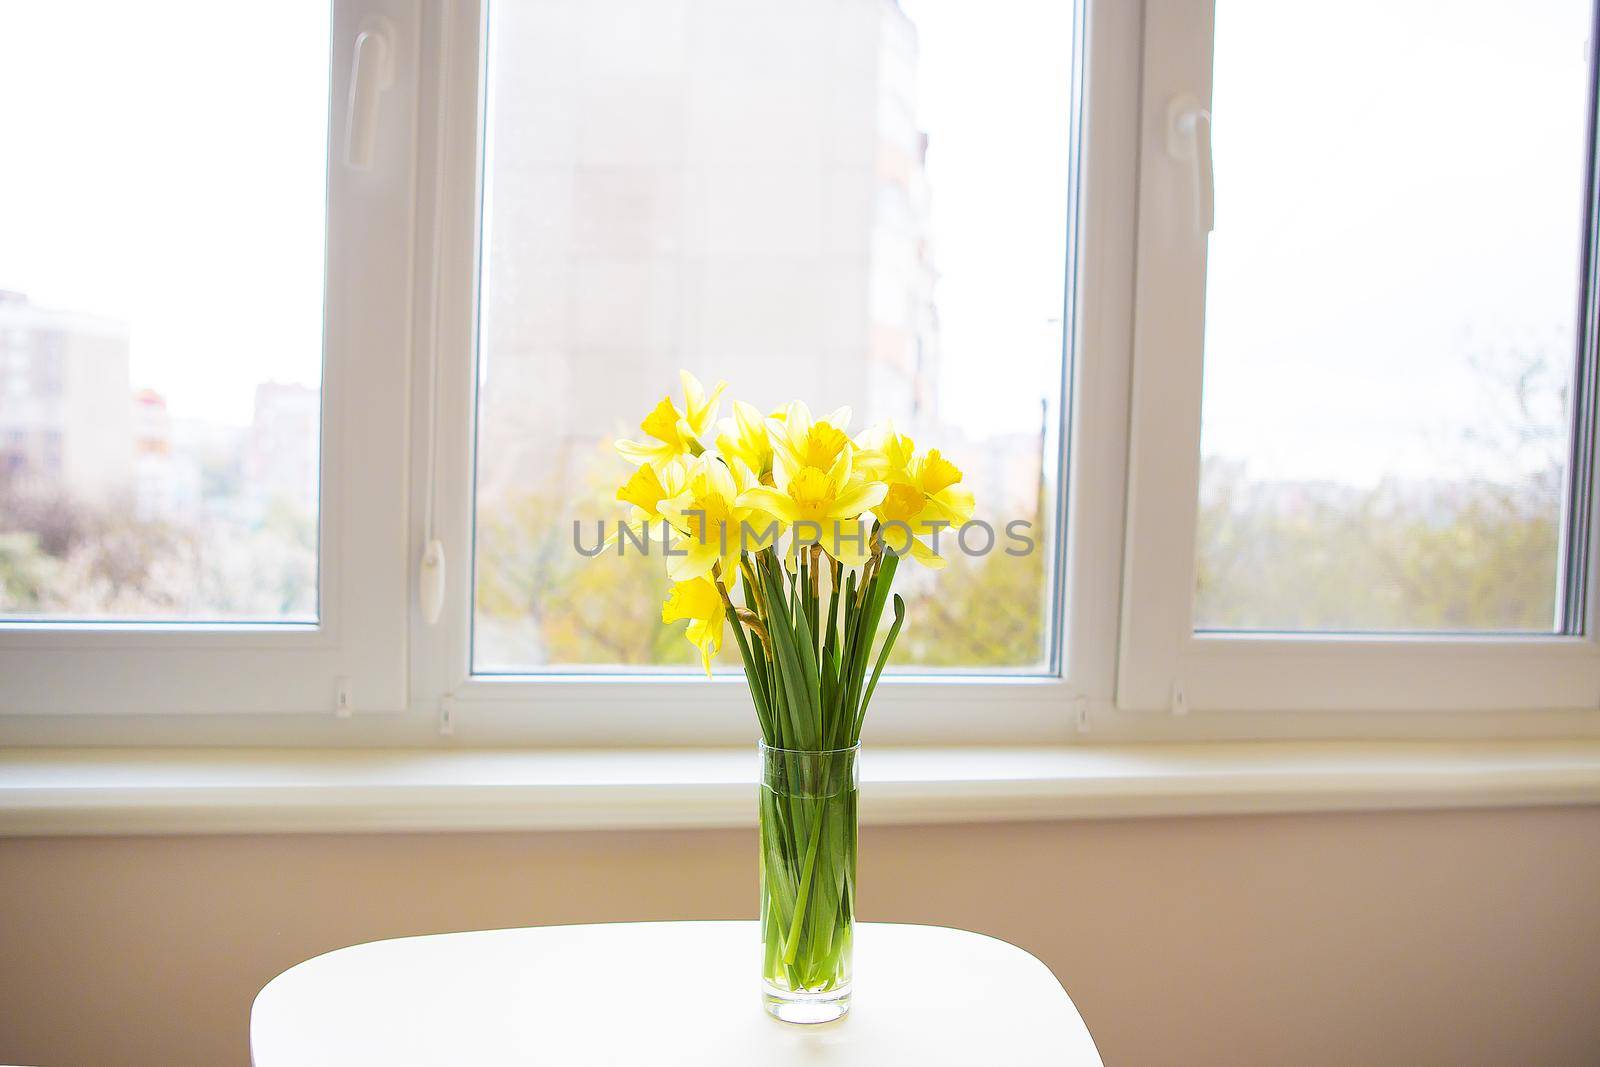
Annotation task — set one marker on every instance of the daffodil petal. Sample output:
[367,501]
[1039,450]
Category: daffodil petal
[749,420]
[639,530]
[797,424]
[849,542]
[700,603]
[779,505]
[694,394]
[638,452]
[839,473]
[858,497]
[955,504]
[707,637]
[936,473]
[721,479]
[695,562]
[927,556]
[743,477]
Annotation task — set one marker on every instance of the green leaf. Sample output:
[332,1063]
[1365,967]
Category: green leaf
[805,645]
[883,657]
[867,631]
[754,679]
[802,709]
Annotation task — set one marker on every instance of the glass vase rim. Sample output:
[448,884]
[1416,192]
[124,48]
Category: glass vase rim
[762,746]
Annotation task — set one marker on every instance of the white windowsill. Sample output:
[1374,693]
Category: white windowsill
[157,791]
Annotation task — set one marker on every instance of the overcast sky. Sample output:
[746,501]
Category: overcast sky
[1399,201]
[164,166]
[1396,192]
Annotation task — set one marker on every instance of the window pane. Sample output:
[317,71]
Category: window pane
[847,202]
[1391,314]
[161,309]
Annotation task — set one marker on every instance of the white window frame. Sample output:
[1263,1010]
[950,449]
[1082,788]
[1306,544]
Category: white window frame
[399,431]
[567,709]
[1230,680]
[104,675]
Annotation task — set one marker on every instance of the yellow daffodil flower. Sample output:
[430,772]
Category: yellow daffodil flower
[744,437]
[721,488]
[800,442]
[648,487]
[831,498]
[716,518]
[922,498]
[699,602]
[673,431]
[938,478]
[882,452]
[850,542]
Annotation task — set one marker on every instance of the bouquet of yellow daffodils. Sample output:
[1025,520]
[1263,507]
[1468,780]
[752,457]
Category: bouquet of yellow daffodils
[807,526]
[788,531]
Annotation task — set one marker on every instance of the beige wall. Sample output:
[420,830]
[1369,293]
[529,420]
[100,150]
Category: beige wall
[1413,938]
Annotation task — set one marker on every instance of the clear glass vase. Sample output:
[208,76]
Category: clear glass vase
[808,881]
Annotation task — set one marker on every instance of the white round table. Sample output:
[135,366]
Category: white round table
[661,993]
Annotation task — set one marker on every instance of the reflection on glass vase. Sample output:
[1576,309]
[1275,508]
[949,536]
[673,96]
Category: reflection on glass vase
[808,881]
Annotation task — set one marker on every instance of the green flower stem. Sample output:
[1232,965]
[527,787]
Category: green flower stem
[805,890]
[808,867]
[813,658]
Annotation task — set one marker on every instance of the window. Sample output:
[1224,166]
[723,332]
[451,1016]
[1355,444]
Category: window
[1391,324]
[1386,326]
[1303,439]
[187,514]
[872,196]
[169,341]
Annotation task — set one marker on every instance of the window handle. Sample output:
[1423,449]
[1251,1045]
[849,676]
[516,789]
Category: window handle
[431,581]
[371,72]
[1189,141]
